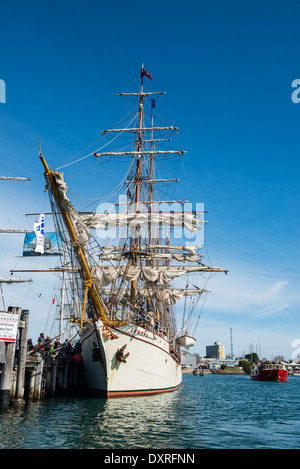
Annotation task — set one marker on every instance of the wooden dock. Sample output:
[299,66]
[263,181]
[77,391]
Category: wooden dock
[33,376]
[49,376]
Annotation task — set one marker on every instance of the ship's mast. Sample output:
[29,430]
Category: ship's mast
[138,176]
[142,176]
[151,176]
[139,143]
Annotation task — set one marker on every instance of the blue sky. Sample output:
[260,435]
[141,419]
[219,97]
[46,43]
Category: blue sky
[227,68]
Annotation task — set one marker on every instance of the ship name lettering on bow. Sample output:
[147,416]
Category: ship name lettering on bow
[141,333]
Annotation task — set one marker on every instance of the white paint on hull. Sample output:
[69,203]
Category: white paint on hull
[149,367]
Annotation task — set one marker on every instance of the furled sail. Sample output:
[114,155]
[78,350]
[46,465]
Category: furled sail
[159,256]
[154,247]
[154,252]
[169,296]
[82,231]
[162,275]
[150,219]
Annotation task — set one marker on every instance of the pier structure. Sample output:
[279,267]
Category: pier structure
[32,375]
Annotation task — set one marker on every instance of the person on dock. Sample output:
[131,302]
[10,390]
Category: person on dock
[57,345]
[30,345]
[77,348]
[47,344]
[67,347]
[41,339]
[54,348]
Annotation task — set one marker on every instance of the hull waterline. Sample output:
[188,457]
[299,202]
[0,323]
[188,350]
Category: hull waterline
[149,368]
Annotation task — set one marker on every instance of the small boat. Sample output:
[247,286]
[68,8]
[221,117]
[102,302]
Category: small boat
[269,372]
[186,341]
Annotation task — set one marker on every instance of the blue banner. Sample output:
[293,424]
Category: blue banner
[52,245]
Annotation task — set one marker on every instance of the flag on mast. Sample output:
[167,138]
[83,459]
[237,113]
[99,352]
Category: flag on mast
[39,232]
[143,72]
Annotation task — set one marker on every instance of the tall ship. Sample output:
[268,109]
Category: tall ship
[126,267]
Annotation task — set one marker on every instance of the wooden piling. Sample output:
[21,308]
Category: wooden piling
[54,376]
[66,375]
[38,382]
[22,355]
[6,378]
[30,384]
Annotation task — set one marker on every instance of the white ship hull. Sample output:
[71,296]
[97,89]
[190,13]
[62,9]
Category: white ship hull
[149,368]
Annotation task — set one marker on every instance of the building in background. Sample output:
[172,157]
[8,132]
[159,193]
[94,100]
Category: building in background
[215,351]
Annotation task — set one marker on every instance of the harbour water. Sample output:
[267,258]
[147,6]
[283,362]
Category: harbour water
[209,412]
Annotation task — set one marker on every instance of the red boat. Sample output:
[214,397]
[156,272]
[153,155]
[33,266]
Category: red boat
[269,372]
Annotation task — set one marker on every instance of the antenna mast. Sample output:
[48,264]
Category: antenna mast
[231,344]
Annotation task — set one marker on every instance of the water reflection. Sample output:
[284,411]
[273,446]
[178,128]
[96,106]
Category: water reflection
[140,422]
[209,412]
[134,422]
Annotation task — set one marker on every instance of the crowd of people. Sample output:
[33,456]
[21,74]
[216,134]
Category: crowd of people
[54,346]
[148,319]
[137,313]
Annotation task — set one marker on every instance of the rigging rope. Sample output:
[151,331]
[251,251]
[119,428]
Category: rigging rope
[101,148]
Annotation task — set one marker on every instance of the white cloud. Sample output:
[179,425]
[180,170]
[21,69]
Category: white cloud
[244,291]
[272,310]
